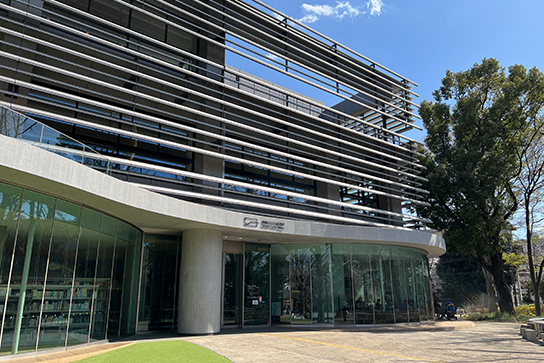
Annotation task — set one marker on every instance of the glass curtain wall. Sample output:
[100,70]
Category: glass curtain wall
[279,280]
[342,286]
[348,284]
[399,285]
[366,302]
[232,292]
[56,260]
[381,283]
[426,283]
[301,297]
[257,288]
[320,267]
[160,274]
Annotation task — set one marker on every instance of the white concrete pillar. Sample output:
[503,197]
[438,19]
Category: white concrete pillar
[199,308]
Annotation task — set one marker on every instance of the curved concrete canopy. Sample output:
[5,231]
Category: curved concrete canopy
[41,170]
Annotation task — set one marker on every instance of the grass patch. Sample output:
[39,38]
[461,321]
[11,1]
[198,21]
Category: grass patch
[159,352]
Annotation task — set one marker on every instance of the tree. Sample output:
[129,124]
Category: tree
[476,129]
[461,278]
[530,187]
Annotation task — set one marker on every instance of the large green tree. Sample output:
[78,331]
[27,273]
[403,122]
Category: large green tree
[477,127]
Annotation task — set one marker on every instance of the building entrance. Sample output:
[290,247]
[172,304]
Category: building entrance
[159,282]
[232,289]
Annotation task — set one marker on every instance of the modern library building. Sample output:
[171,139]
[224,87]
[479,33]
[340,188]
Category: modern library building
[195,165]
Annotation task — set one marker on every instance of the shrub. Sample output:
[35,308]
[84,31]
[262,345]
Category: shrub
[526,310]
[496,316]
[476,304]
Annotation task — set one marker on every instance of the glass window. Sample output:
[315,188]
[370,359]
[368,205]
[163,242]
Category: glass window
[130,278]
[400,296]
[181,39]
[257,302]
[367,302]
[78,4]
[381,282]
[102,280]
[412,300]
[148,25]
[281,291]
[301,296]
[10,205]
[57,289]
[111,11]
[29,268]
[158,295]
[420,289]
[232,291]
[342,285]
[320,264]
[114,318]
[84,300]
[427,287]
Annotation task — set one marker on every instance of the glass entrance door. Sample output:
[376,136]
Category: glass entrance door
[257,287]
[232,291]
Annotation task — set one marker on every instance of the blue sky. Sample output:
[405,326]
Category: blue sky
[421,39]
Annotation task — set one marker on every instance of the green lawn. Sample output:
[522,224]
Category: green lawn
[158,352]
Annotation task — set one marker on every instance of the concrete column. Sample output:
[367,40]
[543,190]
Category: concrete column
[199,309]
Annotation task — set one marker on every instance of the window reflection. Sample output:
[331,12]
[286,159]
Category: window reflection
[342,286]
[348,284]
[281,291]
[381,281]
[61,272]
[365,300]
[301,310]
[57,296]
[257,302]
[320,263]
[160,271]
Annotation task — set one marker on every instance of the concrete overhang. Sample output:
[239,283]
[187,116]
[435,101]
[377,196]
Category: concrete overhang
[34,168]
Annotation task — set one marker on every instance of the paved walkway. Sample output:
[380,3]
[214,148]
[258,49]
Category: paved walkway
[485,342]
[444,341]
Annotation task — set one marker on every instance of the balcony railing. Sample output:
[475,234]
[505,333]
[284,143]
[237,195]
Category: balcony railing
[24,128]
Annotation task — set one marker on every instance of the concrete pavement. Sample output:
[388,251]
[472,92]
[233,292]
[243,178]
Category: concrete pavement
[485,342]
[443,341]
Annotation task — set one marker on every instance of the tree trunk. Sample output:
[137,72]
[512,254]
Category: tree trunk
[536,289]
[503,289]
[491,292]
[529,239]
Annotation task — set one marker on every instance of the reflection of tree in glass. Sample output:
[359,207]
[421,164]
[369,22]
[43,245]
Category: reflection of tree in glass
[13,124]
[320,262]
[300,283]
[256,274]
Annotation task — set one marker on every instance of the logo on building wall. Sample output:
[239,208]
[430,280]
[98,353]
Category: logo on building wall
[265,224]
[251,222]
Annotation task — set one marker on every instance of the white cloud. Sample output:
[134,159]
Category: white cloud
[324,10]
[273,57]
[278,16]
[313,13]
[375,7]
[308,19]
